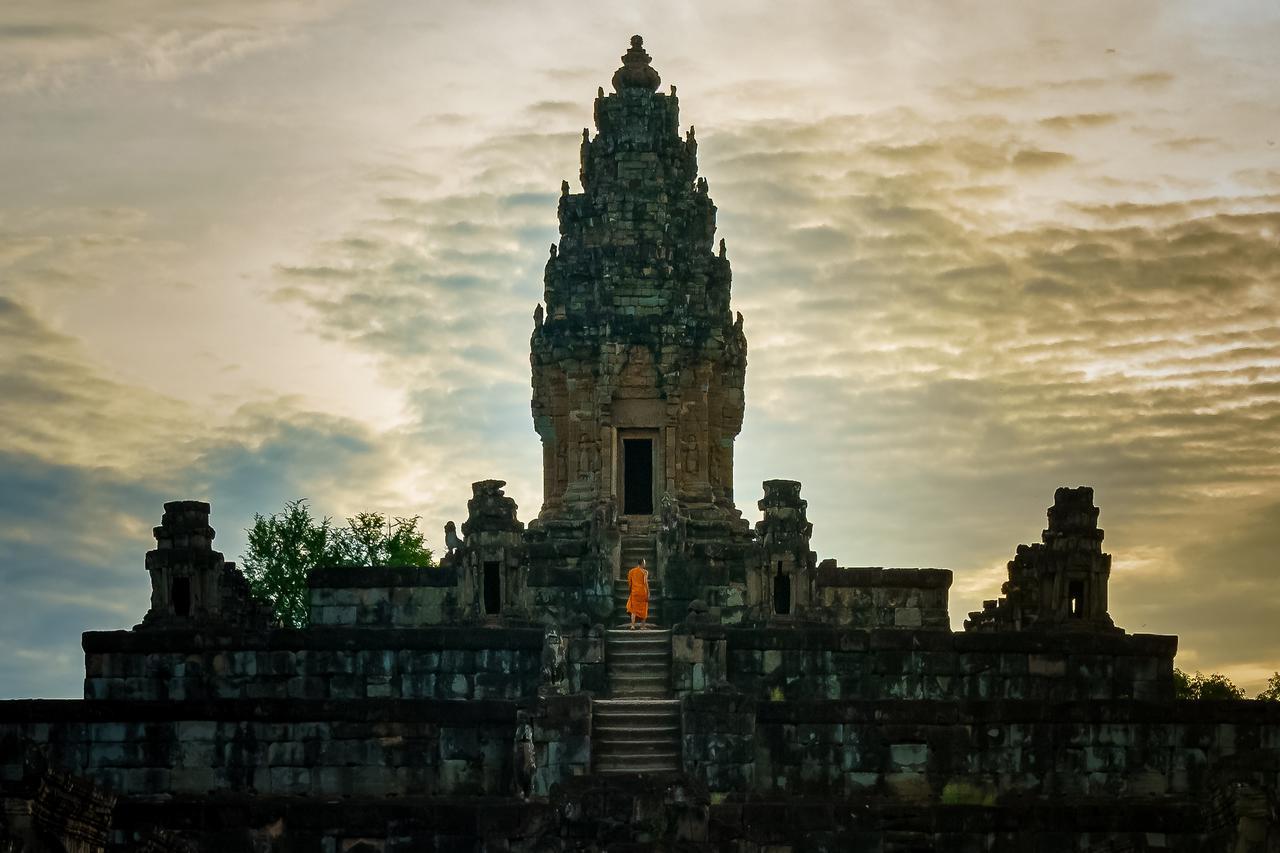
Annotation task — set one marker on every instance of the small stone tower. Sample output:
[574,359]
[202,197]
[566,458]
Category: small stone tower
[1059,583]
[190,582]
[638,363]
[490,555]
[783,586]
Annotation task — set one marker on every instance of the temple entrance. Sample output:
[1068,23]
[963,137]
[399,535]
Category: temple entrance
[781,593]
[1075,598]
[492,588]
[637,476]
[180,595]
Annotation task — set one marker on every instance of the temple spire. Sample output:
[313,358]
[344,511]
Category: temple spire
[636,72]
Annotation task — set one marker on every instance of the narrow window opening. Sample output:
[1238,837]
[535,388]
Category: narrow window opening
[781,592]
[1075,596]
[492,587]
[637,476]
[180,595]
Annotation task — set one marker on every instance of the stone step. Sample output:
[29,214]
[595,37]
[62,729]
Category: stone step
[638,763]
[635,735]
[654,690]
[638,635]
[662,750]
[627,635]
[632,721]
[666,741]
[623,588]
[639,666]
[641,651]
[640,661]
[632,707]
[624,733]
[639,678]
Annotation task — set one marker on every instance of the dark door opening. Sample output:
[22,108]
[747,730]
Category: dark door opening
[180,595]
[781,593]
[492,587]
[637,476]
[1075,597]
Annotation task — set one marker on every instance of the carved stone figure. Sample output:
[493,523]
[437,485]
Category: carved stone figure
[451,539]
[555,668]
[588,456]
[690,444]
[670,530]
[524,760]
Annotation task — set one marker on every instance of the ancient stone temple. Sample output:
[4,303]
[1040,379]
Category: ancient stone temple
[638,364]
[773,702]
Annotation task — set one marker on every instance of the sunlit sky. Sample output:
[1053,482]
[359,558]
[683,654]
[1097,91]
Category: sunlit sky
[253,250]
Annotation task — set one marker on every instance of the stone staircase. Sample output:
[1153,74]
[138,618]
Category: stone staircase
[638,663]
[620,594]
[635,735]
[638,730]
[635,547]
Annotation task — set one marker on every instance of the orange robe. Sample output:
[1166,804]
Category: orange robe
[638,601]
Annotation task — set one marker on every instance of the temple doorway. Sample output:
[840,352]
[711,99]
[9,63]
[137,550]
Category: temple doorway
[492,587]
[637,475]
[781,593]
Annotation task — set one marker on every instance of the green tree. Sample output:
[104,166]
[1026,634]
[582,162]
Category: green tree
[371,539]
[1271,693]
[284,547]
[1201,686]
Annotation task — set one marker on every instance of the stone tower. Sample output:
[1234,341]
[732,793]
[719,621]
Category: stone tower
[1059,583]
[638,362]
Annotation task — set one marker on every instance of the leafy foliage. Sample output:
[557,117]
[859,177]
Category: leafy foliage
[1271,693]
[284,547]
[1201,686]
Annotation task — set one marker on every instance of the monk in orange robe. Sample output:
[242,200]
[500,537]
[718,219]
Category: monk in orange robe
[638,600]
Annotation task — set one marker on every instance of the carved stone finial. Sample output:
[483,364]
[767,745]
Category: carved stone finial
[555,251]
[722,247]
[564,188]
[636,72]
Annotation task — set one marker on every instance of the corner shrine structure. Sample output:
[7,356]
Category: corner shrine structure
[778,703]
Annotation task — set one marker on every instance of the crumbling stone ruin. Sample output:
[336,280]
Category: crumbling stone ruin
[1057,584]
[777,702]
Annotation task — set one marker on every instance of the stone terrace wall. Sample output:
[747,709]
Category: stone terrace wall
[874,597]
[984,752]
[591,813]
[872,826]
[281,747]
[818,662]
[470,662]
[392,597]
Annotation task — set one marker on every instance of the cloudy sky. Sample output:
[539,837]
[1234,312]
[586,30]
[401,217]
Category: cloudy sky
[253,250]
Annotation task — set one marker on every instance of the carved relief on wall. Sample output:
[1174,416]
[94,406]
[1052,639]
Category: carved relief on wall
[588,456]
[689,444]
